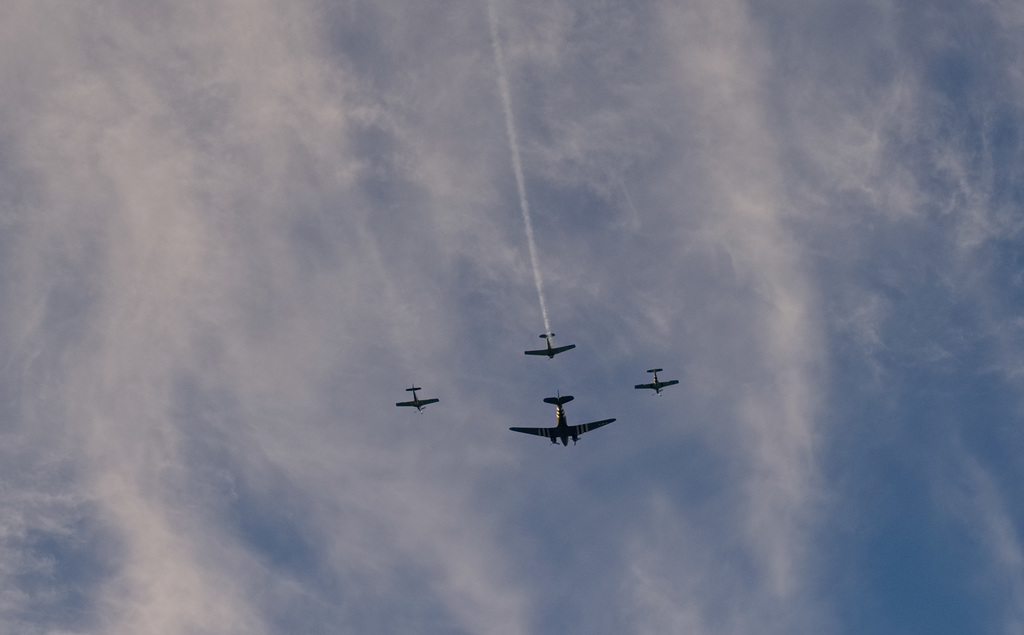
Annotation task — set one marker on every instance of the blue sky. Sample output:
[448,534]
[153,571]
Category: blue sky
[233,232]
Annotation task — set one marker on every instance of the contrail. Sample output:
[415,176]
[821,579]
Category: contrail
[517,166]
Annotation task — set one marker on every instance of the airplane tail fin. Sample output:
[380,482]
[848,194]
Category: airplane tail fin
[545,336]
[558,401]
[415,387]
[655,370]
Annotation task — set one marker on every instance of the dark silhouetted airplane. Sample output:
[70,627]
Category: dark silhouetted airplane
[657,385]
[550,352]
[562,431]
[416,403]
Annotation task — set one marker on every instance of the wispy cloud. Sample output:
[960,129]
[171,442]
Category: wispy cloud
[173,182]
[972,495]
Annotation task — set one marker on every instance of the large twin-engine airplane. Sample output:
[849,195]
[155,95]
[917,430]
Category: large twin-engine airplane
[549,351]
[416,402]
[657,385]
[562,431]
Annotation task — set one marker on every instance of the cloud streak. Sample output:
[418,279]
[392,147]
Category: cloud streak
[517,166]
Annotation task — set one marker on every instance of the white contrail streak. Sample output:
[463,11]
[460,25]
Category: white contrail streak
[517,166]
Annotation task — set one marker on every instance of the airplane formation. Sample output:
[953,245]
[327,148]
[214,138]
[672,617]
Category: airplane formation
[561,431]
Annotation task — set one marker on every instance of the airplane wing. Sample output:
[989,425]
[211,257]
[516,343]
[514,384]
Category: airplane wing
[651,386]
[540,432]
[587,427]
[417,404]
[671,382]
[551,351]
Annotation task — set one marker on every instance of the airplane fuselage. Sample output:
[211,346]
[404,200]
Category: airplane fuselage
[416,402]
[561,432]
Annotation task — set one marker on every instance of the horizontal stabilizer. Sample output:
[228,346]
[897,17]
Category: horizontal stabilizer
[545,336]
[413,388]
[656,370]
[558,401]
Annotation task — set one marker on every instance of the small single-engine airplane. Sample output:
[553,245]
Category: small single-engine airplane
[549,351]
[562,431]
[416,402]
[657,384]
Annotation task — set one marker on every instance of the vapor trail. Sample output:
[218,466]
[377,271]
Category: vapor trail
[513,142]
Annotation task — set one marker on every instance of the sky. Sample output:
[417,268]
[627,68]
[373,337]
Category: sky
[233,232]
